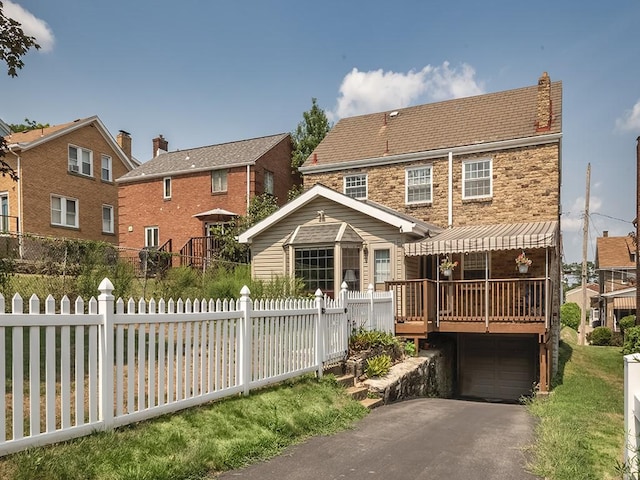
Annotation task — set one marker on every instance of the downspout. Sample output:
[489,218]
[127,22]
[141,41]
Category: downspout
[248,187]
[20,216]
[450,219]
[546,290]
[486,288]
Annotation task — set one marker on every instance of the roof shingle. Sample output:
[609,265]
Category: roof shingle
[615,252]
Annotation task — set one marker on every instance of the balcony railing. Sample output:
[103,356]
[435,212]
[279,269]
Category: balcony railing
[198,251]
[440,305]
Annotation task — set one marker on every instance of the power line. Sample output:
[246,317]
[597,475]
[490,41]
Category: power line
[612,218]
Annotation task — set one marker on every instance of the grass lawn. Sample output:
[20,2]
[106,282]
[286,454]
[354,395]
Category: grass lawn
[580,434]
[198,442]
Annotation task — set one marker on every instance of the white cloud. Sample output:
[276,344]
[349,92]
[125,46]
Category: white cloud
[631,119]
[572,220]
[31,25]
[377,90]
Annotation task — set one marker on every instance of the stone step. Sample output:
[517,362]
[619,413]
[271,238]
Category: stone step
[371,403]
[337,370]
[358,393]
[346,380]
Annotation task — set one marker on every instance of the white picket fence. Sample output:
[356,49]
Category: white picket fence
[632,415]
[74,373]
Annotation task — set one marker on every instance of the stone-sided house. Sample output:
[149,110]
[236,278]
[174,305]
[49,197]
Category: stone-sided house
[482,175]
[171,201]
[616,269]
[66,184]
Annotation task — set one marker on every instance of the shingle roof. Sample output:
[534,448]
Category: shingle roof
[614,252]
[239,153]
[26,137]
[492,117]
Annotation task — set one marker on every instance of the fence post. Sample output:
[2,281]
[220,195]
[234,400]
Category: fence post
[347,326]
[244,344]
[631,413]
[105,353]
[320,332]
[372,326]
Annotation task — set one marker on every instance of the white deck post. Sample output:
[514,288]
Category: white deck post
[631,413]
[371,316]
[319,331]
[244,342]
[105,354]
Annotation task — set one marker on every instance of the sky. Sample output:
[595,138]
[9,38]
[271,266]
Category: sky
[208,72]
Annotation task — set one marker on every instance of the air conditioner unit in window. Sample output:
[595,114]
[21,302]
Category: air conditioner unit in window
[74,168]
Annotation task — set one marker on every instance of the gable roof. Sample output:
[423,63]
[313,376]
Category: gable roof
[224,155]
[468,124]
[24,141]
[615,252]
[403,223]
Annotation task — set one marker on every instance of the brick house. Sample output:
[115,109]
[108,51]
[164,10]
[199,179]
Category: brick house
[486,171]
[616,268]
[171,201]
[66,182]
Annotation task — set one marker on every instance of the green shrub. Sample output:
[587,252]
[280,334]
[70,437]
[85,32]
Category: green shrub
[570,315]
[410,349]
[600,336]
[631,340]
[367,339]
[378,366]
[627,322]
[617,339]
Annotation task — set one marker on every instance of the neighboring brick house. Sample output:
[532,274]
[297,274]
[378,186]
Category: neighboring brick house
[486,171]
[616,268]
[170,201]
[66,182]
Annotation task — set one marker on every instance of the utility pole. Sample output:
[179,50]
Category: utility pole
[585,240]
[636,221]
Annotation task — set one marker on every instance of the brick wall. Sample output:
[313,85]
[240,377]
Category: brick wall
[45,172]
[274,161]
[526,188]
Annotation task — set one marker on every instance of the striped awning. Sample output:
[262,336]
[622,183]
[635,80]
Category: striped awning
[480,238]
[624,303]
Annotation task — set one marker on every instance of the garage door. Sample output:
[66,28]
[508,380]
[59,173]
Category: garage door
[501,367]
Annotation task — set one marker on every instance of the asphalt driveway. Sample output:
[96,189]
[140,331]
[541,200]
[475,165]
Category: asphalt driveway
[426,438]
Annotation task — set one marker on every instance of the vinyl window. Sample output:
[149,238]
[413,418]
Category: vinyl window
[355,186]
[106,172]
[418,183]
[219,181]
[166,187]
[80,161]
[107,219]
[477,179]
[64,211]
[151,236]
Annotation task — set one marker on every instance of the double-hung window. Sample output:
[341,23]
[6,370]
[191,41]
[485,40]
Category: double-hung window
[476,175]
[80,161]
[355,186]
[64,211]
[151,237]
[107,219]
[106,172]
[4,212]
[418,184]
[268,182]
[166,188]
[382,265]
[218,181]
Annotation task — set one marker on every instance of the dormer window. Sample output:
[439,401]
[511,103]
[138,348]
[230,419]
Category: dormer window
[80,161]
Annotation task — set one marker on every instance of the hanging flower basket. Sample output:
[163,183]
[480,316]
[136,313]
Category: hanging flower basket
[523,268]
[523,263]
[447,266]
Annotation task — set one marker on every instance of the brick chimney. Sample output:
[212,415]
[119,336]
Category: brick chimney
[543,111]
[124,140]
[605,233]
[159,145]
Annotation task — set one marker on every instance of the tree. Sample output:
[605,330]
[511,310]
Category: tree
[27,125]
[14,44]
[570,315]
[309,133]
[574,272]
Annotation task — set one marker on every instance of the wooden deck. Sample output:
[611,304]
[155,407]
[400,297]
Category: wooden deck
[477,306]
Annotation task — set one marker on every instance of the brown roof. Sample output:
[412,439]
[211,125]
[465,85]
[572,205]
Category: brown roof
[614,252]
[492,117]
[33,135]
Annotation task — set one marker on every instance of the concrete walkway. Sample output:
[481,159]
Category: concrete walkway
[425,438]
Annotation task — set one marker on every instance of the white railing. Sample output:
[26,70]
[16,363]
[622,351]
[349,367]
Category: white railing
[632,415]
[67,375]
[370,310]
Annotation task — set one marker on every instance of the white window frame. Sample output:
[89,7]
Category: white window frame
[268,182]
[356,182]
[64,213]
[110,225]
[106,169]
[5,210]
[153,234]
[413,183]
[466,165]
[378,275]
[219,181]
[77,164]
[166,187]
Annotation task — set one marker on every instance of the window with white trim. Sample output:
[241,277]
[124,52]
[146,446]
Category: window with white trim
[80,161]
[268,182]
[476,179]
[382,265]
[106,173]
[64,211]
[474,265]
[219,181]
[107,219]
[418,182]
[151,237]
[166,187]
[4,212]
[355,186]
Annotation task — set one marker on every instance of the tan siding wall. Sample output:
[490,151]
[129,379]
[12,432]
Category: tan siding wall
[45,172]
[522,178]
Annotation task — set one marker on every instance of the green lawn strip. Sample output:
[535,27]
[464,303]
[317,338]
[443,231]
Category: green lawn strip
[580,432]
[194,443]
